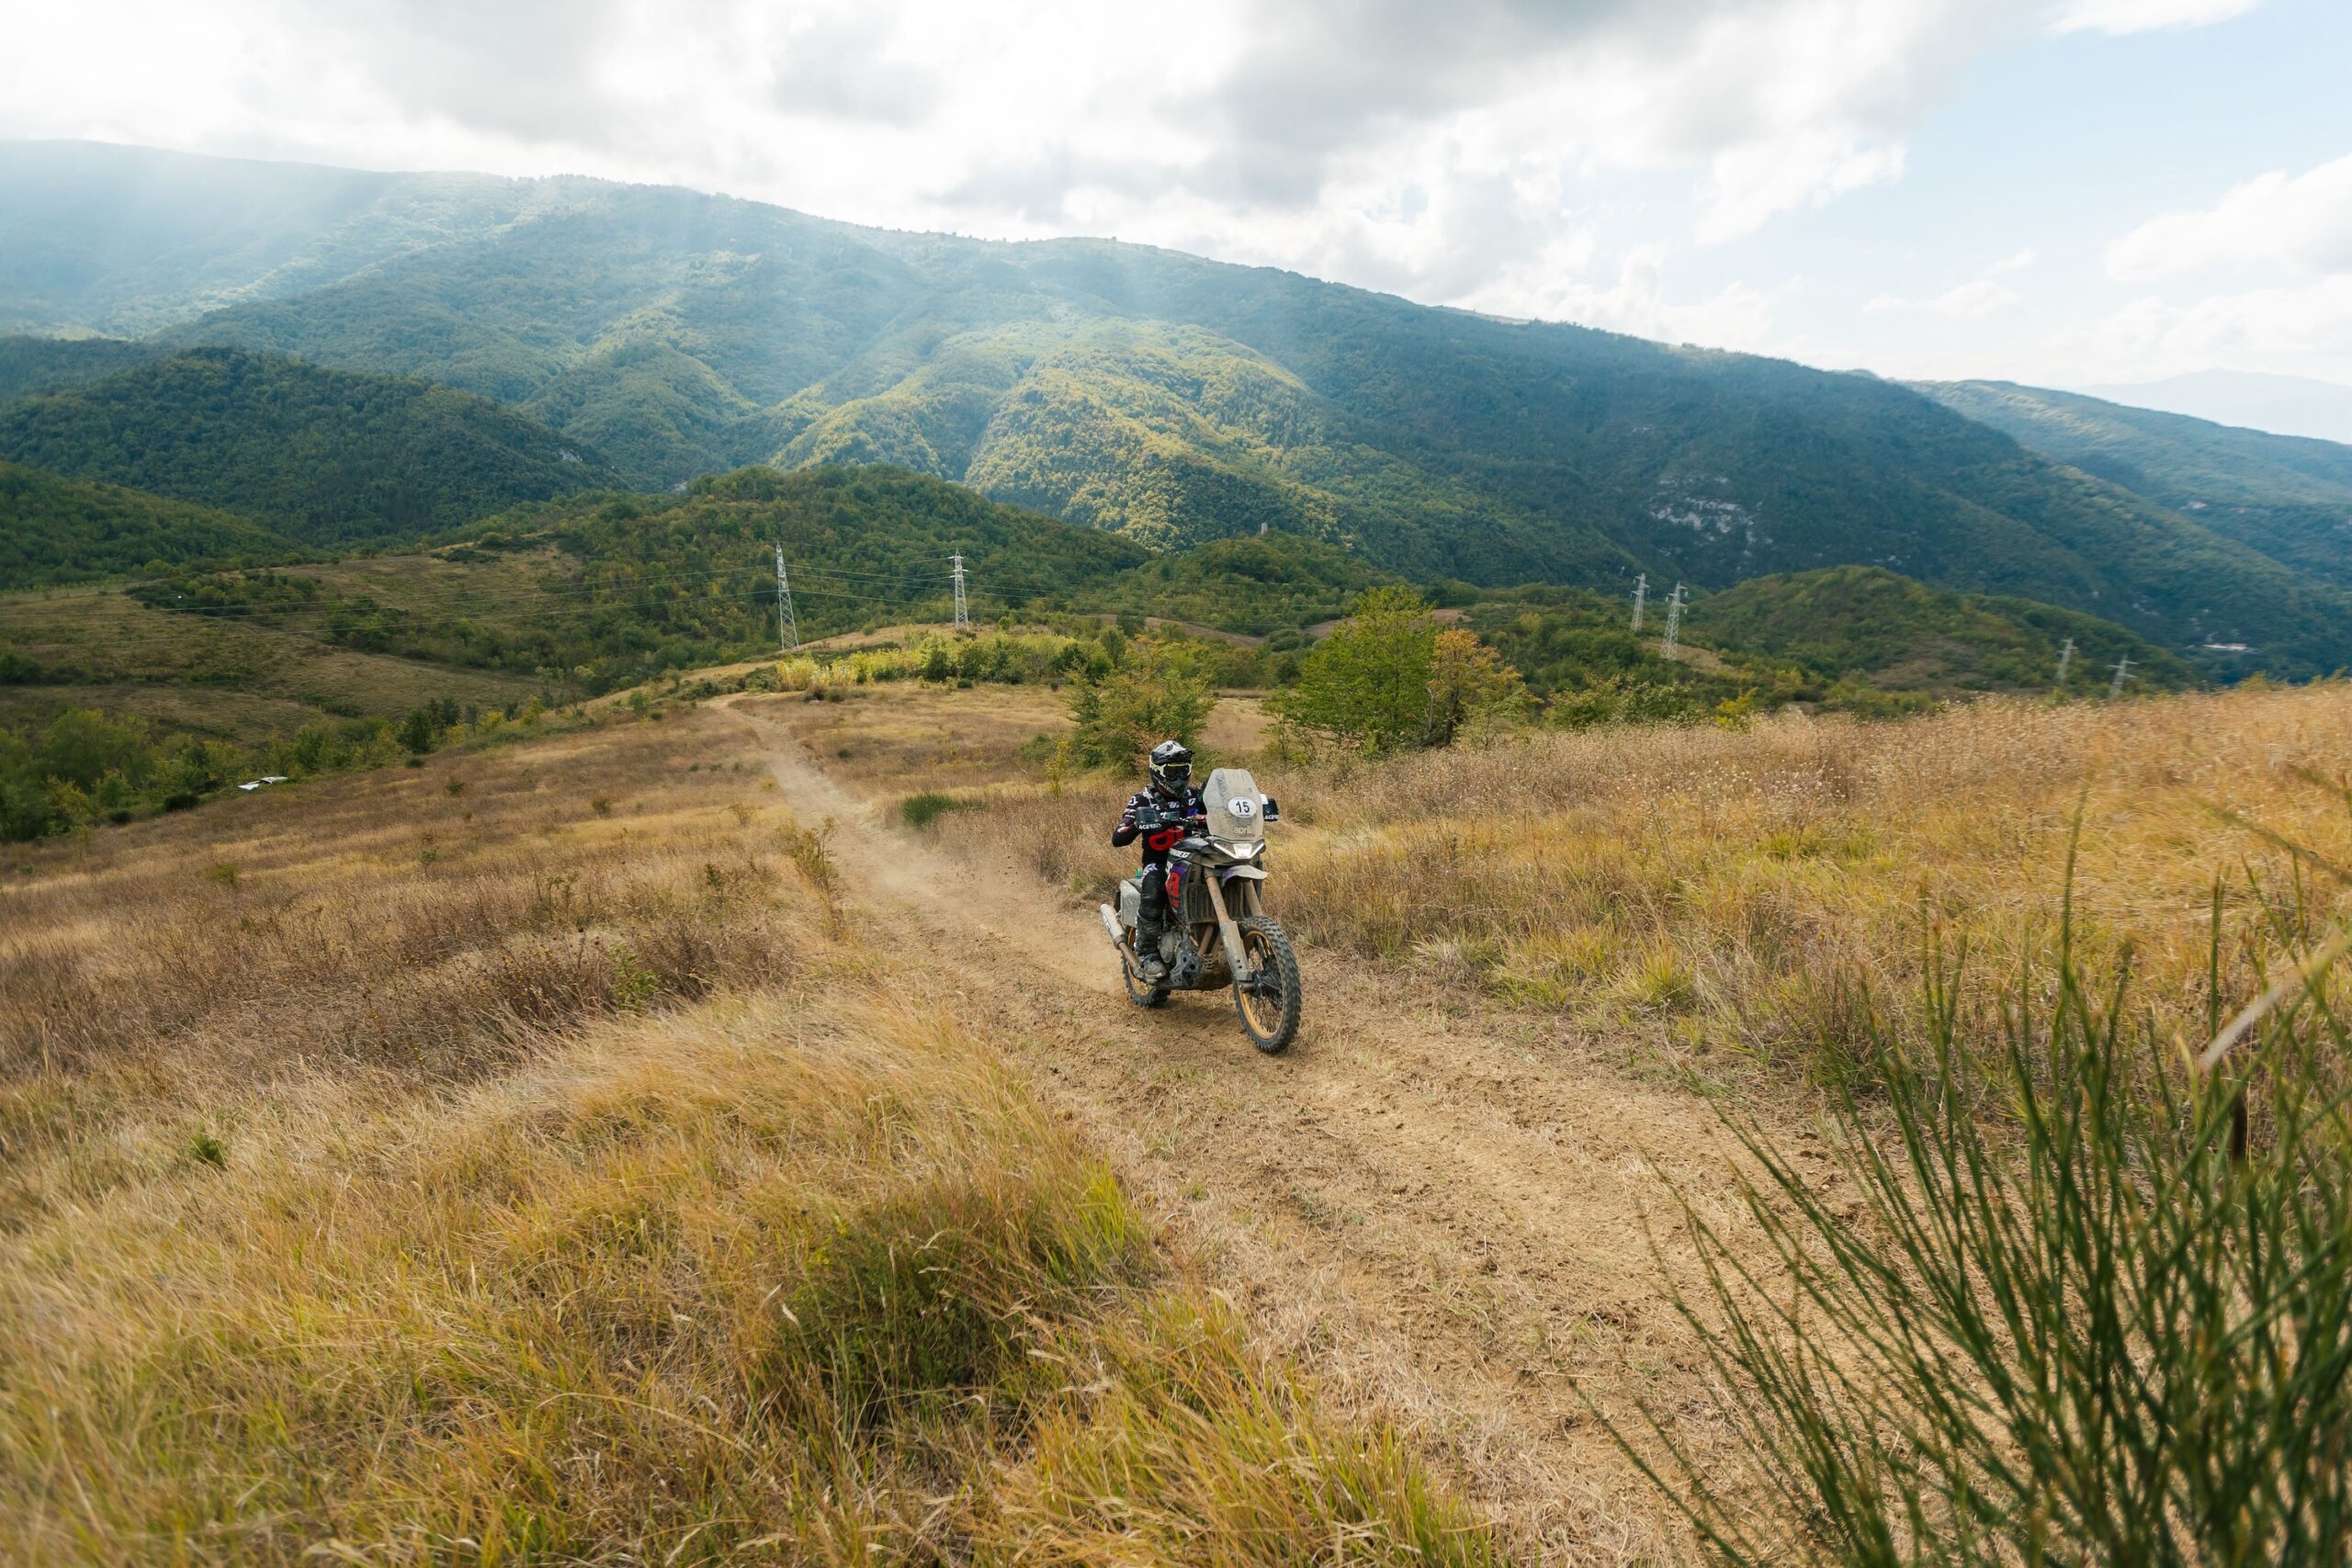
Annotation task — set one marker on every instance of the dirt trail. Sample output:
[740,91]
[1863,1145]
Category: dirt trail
[1440,1218]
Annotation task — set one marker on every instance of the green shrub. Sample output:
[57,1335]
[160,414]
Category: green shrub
[2098,1310]
[924,808]
[938,1289]
[1390,678]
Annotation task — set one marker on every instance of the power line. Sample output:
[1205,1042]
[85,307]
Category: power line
[596,581]
[963,613]
[501,611]
[1674,621]
[2122,668]
[1641,595]
[2065,658]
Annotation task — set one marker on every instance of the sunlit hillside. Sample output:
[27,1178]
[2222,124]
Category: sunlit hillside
[1167,397]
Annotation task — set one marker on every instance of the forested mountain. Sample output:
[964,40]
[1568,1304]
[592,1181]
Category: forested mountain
[56,530]
[324,457]
[2288,496]
[1166,398]
[866,544]
[1864,622]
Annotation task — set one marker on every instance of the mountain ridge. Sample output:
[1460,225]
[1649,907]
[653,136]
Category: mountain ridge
[2302,406]
[1176,400]
[323,456]
[2287,496]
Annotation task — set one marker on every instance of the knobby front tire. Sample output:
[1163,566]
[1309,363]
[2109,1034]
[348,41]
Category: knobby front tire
[1270,1015]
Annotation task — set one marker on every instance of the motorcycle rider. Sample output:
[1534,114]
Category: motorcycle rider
[1169,798]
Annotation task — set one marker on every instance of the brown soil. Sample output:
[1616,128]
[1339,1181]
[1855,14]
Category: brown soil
[1441,1207]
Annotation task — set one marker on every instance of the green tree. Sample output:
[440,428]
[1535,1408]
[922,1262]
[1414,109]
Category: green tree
[1366,686]
[82,746]
[1156,693]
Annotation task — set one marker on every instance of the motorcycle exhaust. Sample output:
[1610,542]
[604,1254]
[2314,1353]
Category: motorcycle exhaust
[1111,926]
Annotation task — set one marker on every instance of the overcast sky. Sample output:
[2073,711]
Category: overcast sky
[2064,191]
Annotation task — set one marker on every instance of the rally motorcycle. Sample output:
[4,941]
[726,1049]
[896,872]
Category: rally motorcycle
[1218,932]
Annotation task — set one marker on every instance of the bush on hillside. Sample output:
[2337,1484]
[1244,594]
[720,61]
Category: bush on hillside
[83,766]
[1391,678]
[1155,693]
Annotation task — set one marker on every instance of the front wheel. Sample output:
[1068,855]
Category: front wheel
[1269,1003]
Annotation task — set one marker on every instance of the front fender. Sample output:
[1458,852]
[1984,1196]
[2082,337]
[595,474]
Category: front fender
[1254,873]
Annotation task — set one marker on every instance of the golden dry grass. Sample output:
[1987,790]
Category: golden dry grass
[524,1158]
[1754,890]
[1753,895]
[906,737]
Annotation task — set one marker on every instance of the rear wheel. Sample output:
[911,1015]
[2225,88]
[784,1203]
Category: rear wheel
[1269,1002]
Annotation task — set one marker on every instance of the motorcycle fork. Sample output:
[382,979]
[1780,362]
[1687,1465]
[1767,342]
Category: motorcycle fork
[1234,956]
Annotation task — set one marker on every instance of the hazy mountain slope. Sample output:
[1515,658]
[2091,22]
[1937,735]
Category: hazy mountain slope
[1176,398]
[2287,496]
[323,455]
[56,530]
[1877,626]
[124,239]
[2282,405]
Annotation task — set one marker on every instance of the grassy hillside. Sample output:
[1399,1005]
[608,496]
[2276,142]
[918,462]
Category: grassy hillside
[324,457]
[1788,917]
[579,596]
[1856,622]
[56,530]
[536,1157]
[234,675]
[2286,496]
[1169,398]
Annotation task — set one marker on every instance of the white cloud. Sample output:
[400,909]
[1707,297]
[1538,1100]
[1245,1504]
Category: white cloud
[1971,302]
[1386,143]
[2016,262]
[2119,16]
[2305,330]
[1549,288]
[2303,221]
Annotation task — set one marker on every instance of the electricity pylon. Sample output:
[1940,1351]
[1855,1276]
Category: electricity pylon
[788,625]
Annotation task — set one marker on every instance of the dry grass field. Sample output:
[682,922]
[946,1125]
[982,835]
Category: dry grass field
[533,1157]
[1708,900]
[1538,975]
[647,1144]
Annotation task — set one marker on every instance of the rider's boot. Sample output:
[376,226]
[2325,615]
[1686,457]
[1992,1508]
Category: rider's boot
[1148,960]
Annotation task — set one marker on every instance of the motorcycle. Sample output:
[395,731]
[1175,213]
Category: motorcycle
[1219,933]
